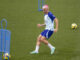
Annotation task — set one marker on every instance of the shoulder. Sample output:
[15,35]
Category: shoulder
[51,15]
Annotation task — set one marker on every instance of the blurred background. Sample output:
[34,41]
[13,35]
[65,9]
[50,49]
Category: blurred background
[23,17]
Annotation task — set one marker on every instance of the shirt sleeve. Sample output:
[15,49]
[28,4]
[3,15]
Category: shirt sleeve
[52,17]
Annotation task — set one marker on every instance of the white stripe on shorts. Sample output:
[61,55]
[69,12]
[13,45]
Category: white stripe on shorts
[47,34]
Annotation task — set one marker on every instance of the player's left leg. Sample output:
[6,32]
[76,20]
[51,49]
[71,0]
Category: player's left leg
[37,45]
[44,40]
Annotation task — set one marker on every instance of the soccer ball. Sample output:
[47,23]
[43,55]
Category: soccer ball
[73,25]
[6,56]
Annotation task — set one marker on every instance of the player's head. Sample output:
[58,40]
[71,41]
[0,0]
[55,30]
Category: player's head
[45,9]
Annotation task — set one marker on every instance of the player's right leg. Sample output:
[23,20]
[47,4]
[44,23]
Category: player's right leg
[37,45]
[44,40]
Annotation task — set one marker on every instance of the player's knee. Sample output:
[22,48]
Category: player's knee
[38,39]
[42,39]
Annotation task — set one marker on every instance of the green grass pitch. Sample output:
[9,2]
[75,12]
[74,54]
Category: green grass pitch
[23,16]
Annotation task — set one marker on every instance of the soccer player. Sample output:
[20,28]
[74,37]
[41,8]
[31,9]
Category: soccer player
[49,20]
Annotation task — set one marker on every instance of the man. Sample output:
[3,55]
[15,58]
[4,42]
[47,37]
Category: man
[49,29]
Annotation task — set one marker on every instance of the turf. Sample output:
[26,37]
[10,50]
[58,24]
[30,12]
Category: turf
[23,16]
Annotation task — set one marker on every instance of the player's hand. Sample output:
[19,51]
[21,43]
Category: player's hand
[55,30]
[38,25]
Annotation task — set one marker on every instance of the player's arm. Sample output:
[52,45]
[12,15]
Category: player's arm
[56,22]
[40,25]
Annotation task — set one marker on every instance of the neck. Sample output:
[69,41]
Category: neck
[46,12]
